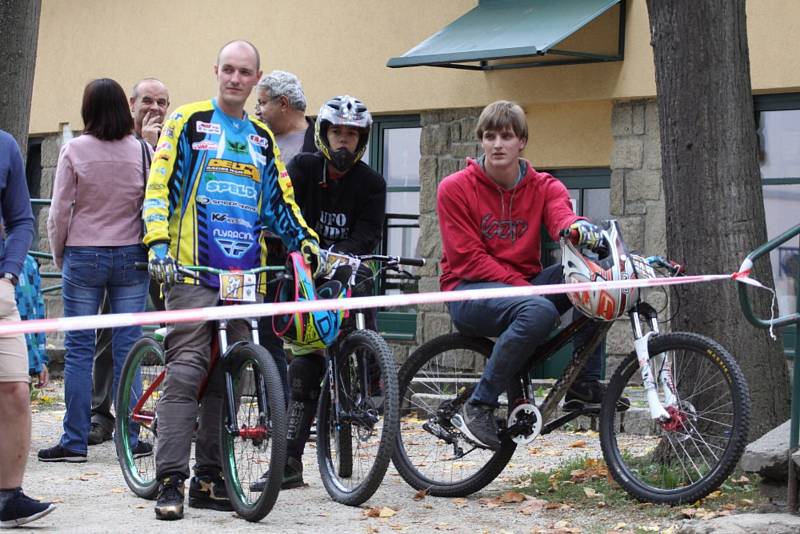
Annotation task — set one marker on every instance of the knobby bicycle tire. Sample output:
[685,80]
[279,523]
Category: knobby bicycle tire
[354,449]
[259,443]
[146,361]
[685,462]
[439,371]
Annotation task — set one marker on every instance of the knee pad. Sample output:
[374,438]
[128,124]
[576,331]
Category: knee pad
[305,375]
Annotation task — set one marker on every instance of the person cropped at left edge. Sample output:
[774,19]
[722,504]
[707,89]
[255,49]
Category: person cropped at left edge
[216,181]
[95,237]
[16,216]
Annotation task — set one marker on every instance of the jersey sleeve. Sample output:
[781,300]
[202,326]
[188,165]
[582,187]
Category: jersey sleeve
[167,166]
[279,211]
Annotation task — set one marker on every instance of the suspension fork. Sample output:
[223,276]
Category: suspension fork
[640,344]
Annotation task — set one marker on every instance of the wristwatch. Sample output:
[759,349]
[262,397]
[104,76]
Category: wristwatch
[10,276]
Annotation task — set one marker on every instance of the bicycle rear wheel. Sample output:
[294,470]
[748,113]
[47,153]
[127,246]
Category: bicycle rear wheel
[357,424]
[142,377]
[430,453]
[256,441]
[687,460]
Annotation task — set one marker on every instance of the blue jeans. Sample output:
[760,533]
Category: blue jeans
[88,273]
[520,324]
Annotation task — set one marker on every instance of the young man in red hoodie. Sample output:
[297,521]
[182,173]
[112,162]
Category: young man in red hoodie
[491,214]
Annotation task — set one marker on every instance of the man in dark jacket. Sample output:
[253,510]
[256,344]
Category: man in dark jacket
[344,201]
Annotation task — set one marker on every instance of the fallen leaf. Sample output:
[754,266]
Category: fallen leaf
[372,512]
[117,490]
[741,481]
[421,494]
[590,492]
[620,526]
[386,512]
[459,502]
[512,496]
[688,513]
[649,528]
[400,528]
[746,502]
[552,506]
[714,495]
[531,506]
[580,444]
[373,530]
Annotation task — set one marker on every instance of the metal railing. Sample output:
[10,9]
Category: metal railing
[785,320]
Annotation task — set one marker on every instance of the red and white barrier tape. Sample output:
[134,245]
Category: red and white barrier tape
[216,313]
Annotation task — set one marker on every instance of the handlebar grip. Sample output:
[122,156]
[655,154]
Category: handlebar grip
[140,265]
[572,234]
[415,262]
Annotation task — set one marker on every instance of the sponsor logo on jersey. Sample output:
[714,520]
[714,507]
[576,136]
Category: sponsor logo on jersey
[233,167]
[155,186]
[154,203]
[224,217]
[237,190]
[209,127]
[205,145]
[237,147]
[162,171]
[166,145]
[204,200]
[156,217]
[232,247]
[234,243]
[258,140]
[176,116]
[234,234]
[169,131]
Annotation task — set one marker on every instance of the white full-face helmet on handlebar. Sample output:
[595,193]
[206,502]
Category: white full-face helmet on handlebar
[615,263]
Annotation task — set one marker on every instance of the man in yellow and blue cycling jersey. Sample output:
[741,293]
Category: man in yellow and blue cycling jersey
[215,183]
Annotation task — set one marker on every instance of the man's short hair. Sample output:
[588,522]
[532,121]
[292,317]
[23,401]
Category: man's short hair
[135,90]
[246,42]
[500,115]
[281,83]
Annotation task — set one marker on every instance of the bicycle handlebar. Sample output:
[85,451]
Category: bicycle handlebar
[192,270]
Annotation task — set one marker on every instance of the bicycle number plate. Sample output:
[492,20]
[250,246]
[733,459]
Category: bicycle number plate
[333,261]
[237,287]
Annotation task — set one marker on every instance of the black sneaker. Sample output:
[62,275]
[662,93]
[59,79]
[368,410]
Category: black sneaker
[142,449]
[477,423]
[292,476]
[207,490]
[21,509]
[169,505]
[58,453]
[98,434]
[588,395]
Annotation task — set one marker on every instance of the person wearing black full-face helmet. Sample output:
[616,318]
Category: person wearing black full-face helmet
[345,201]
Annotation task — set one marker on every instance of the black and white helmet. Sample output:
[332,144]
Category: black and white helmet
[342,111]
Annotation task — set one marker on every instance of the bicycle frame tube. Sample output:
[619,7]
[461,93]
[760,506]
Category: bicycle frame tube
[136,414]
[548,349]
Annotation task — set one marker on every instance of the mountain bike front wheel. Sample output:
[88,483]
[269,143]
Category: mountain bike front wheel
[357,418]
[254,444]
[691,455]
[136,428]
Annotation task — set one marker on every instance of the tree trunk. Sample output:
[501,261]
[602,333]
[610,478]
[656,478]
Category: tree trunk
[712,184]
[19,33]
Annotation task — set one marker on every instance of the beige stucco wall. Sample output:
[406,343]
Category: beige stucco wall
[342,46]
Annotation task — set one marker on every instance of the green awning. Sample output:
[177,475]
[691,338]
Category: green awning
[497,33]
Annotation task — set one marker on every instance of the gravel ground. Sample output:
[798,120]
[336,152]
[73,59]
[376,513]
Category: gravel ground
[93,497]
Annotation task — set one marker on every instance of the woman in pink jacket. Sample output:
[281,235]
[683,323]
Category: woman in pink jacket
[95,232]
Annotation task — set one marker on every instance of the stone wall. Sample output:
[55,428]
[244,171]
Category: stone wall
[447,139]
[637,199]
[51,145]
